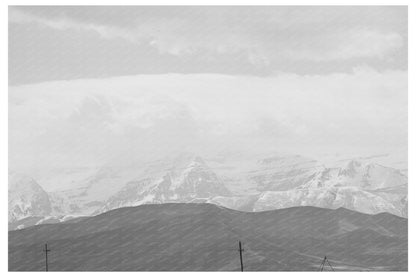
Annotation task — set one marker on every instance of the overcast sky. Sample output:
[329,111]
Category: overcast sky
[55,43]
[88,84]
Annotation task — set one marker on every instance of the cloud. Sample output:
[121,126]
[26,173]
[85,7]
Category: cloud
[94,121]
[63,24]
[261,38]
[351,44]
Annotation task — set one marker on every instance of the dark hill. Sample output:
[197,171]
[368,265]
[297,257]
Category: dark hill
[204,237]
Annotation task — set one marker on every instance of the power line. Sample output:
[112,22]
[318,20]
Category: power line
[325,262]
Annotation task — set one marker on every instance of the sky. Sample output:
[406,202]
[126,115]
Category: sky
[93,85]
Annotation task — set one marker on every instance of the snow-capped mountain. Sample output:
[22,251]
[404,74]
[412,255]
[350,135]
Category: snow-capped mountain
[367,188]
[193,182]
[357,174]
[247,183]
[26,198]
[334,197]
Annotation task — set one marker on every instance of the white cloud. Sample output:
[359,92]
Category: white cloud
[91,121]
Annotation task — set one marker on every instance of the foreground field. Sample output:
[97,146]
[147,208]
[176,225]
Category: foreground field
[204,237]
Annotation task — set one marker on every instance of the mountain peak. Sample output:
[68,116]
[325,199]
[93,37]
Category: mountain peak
[26,197]
[351,168]
[285,180]
[22,183]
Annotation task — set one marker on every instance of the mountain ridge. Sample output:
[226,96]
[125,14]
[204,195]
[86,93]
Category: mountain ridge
[253,185]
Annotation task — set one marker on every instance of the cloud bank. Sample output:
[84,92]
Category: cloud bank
[118,120]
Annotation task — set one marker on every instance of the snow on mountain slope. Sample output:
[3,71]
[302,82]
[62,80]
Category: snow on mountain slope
[249,174]
[395,195]
[284,172]
[333,198]
[357,174]
[178,184]
[38,220]
[241,182]
[26,198]
[367,188]
[280,182]
[241,203]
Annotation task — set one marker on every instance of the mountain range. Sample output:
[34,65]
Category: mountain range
[247,183]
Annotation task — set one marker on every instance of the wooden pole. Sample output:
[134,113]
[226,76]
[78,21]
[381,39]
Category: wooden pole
[46,250]
[241,255]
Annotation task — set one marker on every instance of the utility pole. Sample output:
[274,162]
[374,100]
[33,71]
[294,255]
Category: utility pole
[46,250]
[322,266]
[241,255]
[329,264]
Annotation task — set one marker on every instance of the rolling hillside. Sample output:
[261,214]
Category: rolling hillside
[204,237]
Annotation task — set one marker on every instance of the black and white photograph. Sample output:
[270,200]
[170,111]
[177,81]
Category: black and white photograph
[262,138]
